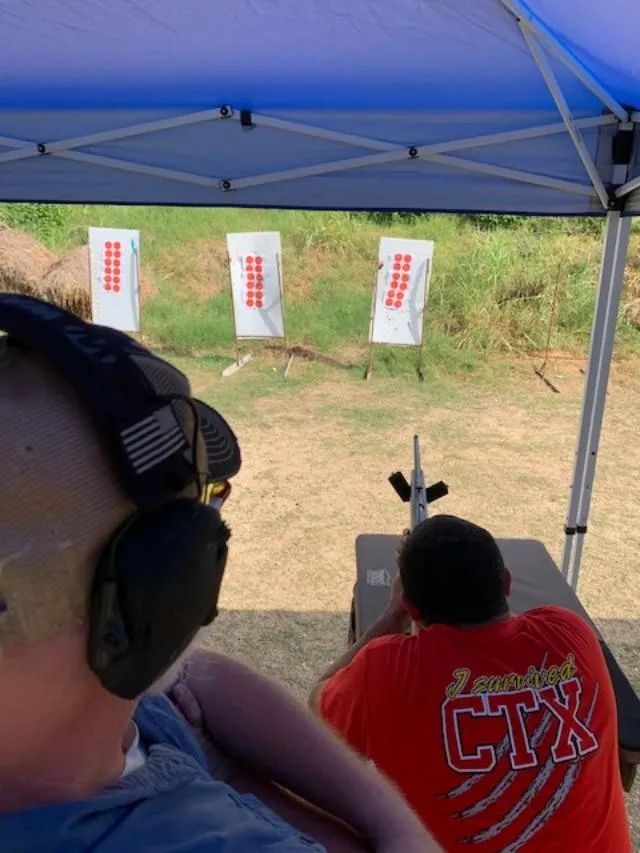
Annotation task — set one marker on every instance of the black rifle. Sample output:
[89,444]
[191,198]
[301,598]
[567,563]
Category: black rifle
[417,493]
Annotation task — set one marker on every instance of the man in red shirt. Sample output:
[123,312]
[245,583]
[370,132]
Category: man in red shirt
[500,729]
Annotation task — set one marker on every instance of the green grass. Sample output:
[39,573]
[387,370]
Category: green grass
[259,380]
[495,280]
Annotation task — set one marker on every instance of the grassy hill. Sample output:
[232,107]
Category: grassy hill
[494,285]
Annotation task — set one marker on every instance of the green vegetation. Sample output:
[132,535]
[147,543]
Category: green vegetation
[494,284]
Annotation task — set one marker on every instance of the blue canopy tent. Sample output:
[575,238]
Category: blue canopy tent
[423,105]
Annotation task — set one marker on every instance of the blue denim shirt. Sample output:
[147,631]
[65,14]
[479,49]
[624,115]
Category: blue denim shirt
[170,805]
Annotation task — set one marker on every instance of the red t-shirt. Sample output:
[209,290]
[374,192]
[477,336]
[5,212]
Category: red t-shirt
[503,737]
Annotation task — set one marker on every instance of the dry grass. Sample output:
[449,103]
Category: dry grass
[316,463]
[202,271]
[23,262]
[68,282]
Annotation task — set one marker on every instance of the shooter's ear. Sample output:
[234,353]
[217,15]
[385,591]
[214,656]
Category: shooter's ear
[411,610]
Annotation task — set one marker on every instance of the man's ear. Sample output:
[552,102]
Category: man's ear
[506,582]
[411,611]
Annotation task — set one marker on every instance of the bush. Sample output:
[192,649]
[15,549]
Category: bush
[47,222]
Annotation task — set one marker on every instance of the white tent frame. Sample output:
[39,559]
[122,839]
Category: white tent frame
[67,149]
[541,43]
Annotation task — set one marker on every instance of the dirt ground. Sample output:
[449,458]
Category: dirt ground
[318,449]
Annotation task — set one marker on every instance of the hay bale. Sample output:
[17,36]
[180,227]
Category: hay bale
[23,262]
[67,282]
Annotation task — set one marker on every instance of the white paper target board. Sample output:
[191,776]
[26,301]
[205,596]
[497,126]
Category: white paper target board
[115,288]
[255,263]
[402,286]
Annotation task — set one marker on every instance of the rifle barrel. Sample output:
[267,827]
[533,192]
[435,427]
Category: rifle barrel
[418,487]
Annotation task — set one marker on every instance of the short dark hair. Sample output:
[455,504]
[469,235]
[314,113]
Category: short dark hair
[452,572]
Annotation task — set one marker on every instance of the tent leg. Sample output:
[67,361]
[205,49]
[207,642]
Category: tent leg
[614,255]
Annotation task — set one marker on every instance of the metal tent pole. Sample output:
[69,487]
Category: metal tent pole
[612,267]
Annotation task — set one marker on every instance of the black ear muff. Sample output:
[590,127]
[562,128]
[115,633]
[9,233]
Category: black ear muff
[156,584]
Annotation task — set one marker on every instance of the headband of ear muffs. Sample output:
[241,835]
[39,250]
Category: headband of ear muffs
[157,580]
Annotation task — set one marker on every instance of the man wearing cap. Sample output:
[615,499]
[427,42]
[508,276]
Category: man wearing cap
[112,551]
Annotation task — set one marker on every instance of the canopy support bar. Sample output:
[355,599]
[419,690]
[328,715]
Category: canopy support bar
[628,188]
[616,242]
[535,26]
[387,152]
[404,154]
[27,149]
[463,144]
[563,108]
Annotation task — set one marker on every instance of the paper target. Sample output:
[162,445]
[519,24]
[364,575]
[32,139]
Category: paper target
[256,284]
[404,268]
[115,288]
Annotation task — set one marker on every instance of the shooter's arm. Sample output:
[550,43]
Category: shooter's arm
[393,620]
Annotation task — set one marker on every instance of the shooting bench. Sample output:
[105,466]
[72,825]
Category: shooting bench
[537,581]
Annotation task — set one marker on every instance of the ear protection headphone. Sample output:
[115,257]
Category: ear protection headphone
[157,579]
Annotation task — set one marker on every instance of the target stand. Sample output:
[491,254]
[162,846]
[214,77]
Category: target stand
[257,300]
[400,296]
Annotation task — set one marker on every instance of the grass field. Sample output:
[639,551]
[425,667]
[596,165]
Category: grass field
[318,448]
[494,285]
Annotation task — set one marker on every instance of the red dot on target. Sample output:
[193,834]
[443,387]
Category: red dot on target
[389,303]
[396,276]
[258,303]
[117,253]
[249,259]
[107,245]
[397,257]
[406,267]
[396,266]
[107,279]
[259,285]
[116,262]
[107,287]
[403,285]
[116,279]
[116,245]
[407,259]
[116,287]
[249,303]
[108,253]
[258,259]
[259,277]
[405,276]
[251,276]
[398,303]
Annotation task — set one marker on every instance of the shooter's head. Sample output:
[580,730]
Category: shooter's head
[452,573]
[88,575]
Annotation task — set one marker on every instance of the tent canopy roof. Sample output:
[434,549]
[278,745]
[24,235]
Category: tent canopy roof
[405,73]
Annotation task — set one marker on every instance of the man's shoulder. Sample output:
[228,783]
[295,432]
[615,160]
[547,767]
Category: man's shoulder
[569,629]
[207,816]
[391,644]
[168,804]
[387,654]
[561,617]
